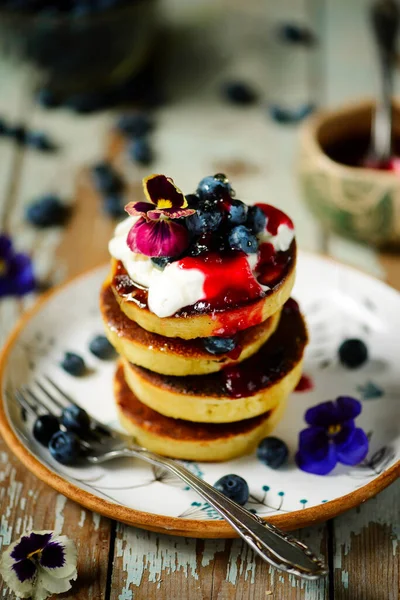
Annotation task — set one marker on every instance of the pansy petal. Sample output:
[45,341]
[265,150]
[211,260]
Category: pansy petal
[25,570]
[55,585]
[313,440]
[6,248]
[341,439]
[355,450]
[35,540]
[347,408]
[52,555]
[322,415]
[158,238]
[171,213]
[22,589]
[138,208]
[316,454]
[162,191]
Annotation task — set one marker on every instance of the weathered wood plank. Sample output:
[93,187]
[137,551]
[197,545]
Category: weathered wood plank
[150,566]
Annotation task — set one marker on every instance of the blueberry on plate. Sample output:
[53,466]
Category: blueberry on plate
[273,452]
[106,179]
[234,487]
[239,92]
[203,220]
[219,345]
[284,115]
[65,447]
[101,347]
[135,125]
[353,353]
[44,428]
[18,132]
[256,219]
[40,141]
[214,187]
[73,364]
[237,212]
[48,211]
[295,33]
[75,419]
[140,151]
[241,238]
[114,206]
[161,261]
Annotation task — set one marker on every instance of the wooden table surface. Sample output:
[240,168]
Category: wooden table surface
[196,134]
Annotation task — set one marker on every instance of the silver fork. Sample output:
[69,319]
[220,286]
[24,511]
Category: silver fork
[103,444]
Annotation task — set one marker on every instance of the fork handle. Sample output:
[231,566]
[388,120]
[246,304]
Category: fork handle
[273,545]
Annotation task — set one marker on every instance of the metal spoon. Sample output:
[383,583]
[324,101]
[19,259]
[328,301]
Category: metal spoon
[385,18]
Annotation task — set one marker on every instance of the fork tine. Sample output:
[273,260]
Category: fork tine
[38,400]
[59,390]
[49,395]
[23,402]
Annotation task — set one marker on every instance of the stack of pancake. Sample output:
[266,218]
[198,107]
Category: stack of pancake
[180,400]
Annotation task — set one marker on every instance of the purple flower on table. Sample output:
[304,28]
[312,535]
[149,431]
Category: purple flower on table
[332,437]
[16,271]
[156,233]
[39,564]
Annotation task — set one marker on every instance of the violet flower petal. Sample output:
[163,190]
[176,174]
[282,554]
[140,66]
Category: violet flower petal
[347,408]
[21,275]
[322,415]
[158,238]
[341,439]
[5,247]
[321,465]
[356,449]
[162,191]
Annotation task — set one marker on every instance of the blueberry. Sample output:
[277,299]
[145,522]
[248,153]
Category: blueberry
[75,419]
[284,115]
[241,238]
[73,364]
[353,353]
[214,187]
[161,261]
[234,487]
[44,428]
[273,452]
[140,151]
[135,125]
[65,447]
[47,98]
[101,347]
[239,92]
[192,200]
[203,220]
[114,206]
[219,345]
[48,211]
[40,141]
[295,33]
[18,132]
[237,212]
[3,127]
[256,219]
[106,179]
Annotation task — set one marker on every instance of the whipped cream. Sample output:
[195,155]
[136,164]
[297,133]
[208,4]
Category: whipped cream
[281,241]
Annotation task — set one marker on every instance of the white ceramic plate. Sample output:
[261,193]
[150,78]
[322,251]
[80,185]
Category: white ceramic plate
[338,302]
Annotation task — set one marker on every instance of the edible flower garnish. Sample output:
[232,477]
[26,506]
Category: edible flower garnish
[16,271]
[155,233]
[39,564]
[332,437]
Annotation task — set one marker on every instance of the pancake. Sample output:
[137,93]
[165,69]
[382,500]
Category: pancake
[240,391]
[201,319]
[186,440]
[174,356]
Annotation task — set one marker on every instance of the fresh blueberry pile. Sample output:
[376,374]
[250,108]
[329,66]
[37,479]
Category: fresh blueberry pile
[24,137]
[110,186]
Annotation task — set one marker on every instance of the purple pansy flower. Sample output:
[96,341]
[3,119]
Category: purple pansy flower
[155,233]
[332,437]
[16,272]
[39,564]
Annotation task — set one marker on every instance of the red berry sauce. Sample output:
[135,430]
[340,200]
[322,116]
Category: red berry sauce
[305,384]
[275,217]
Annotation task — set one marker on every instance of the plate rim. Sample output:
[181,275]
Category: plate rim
[179,526]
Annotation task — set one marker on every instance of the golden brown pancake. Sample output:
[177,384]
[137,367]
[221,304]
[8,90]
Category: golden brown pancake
[240,391]
[174,356]
[187,440]
[200,320]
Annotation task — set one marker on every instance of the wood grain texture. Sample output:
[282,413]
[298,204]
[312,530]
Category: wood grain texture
[149,566]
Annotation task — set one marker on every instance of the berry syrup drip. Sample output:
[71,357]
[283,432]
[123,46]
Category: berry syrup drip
[127,288]
[305,384]
[273,361]
[275,217]
[271,265]
[228,279]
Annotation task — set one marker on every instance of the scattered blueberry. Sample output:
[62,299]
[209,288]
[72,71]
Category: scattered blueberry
[295,33]
[161,261]
[203,220]
[101,347]
[353,353]
[48,211]
[47,98]
[65,447]
[234,487]
[40,141]
[219,345]
[44,428]
[135,125]
[241,238]
[140,151]
[239,92]
[284,115]
[18,132]
[73,364]
[75,419]
[273,452]
[237,212]
[114,206]
[106,179]
[256,219]
[214,187]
